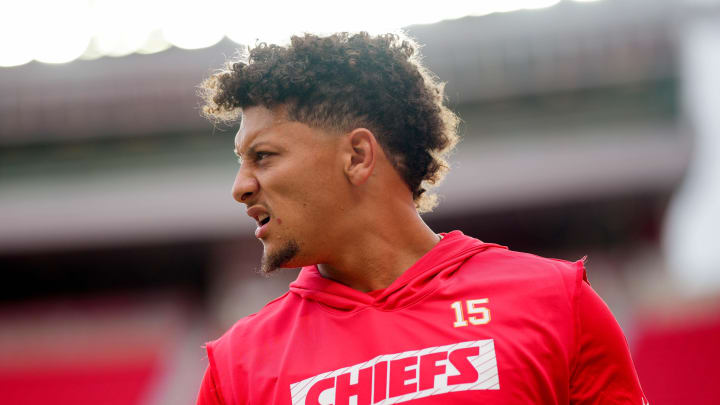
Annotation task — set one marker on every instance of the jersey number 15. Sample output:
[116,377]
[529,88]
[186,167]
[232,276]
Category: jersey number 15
[478,315]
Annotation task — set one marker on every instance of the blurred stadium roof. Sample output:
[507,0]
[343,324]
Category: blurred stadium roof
[88,30]
[112,149]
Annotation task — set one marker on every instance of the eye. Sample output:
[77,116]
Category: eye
[262,155]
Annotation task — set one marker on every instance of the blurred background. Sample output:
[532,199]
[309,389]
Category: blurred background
[590,128]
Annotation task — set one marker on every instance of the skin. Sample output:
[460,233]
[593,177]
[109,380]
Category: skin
[335,200]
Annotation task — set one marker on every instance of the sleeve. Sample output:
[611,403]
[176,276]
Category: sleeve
[603,372]
[209,394]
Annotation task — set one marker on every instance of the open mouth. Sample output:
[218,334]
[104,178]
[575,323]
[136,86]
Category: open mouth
[263,219]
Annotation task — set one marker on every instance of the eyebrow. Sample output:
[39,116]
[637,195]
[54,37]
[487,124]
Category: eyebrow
[250,150]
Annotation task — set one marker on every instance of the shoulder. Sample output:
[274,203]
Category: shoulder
[524,264]
[241,345]
[525,273]
[244,329]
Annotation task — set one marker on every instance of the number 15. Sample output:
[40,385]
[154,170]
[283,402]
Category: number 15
[473,308]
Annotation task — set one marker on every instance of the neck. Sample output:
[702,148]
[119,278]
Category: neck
[379,250]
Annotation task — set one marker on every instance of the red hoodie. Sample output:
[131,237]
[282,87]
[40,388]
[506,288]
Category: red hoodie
[470,322]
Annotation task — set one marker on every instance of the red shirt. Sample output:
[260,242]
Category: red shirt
[470,322]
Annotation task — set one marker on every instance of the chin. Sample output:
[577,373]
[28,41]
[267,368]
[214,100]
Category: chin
[283,256]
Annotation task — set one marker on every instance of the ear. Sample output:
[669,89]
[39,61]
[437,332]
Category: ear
[362,152]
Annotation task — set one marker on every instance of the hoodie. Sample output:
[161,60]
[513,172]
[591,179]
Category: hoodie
[469,322]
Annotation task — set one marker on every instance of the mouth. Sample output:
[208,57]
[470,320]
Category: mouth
[262,225]
[262,219]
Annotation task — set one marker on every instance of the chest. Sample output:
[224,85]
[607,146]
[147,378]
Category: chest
[465,346]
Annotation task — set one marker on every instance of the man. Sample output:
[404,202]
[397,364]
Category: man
[340,137]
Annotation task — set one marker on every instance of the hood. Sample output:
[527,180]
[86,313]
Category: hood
[428,273]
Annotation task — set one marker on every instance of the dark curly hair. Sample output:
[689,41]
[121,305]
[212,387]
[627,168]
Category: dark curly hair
[342,82]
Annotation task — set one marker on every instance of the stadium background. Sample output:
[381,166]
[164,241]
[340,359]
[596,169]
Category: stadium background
[590,128]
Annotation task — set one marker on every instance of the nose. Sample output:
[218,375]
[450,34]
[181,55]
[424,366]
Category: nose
[245,186]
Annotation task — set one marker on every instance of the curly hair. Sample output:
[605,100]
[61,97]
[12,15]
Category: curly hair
[342,82]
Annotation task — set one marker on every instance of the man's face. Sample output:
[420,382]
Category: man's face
[292,182]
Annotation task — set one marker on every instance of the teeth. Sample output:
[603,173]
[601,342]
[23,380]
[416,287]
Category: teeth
[263,217]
